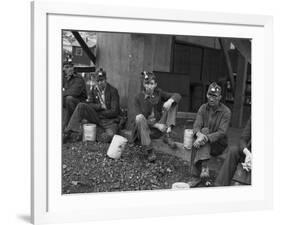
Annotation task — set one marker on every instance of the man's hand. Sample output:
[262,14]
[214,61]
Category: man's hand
[203,139]
[196,143]
[247,165]
[160,126]
[167,105]
[103,106]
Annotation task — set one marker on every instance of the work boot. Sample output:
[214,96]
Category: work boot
[105,138]
[169,141]
[205,176]
[77,137]
[66,136]
[151,155]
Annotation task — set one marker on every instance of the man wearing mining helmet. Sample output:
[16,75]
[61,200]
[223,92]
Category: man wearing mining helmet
[155,114]
[210,130]
[74,91]
[102,108]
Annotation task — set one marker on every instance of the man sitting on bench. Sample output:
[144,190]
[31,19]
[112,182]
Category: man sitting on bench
[102,109]
[210,128]
[236,154]
[156,112]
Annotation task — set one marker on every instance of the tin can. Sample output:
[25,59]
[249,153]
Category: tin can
[188,138]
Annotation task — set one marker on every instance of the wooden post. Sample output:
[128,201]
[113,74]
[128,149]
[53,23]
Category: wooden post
[244,47]
[228,63]
[239,97]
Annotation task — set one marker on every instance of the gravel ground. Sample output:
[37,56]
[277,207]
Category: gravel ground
[86,168]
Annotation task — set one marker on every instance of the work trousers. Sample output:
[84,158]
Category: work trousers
[85,111]
[209,149]
[144,131]
[69,105]
[227,170]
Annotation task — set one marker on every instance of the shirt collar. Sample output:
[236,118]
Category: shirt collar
[146,96]
[218,109]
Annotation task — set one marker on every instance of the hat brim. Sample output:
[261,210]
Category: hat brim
[213,94]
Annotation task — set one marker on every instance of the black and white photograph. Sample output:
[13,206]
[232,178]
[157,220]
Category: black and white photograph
[154,111]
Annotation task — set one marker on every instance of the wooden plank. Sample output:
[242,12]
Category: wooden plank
[186,115]
[180,151]
[237,114]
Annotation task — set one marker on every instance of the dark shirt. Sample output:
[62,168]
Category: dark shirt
[75,87]
[111,101]
[245,139]
[144,104]
[217,122]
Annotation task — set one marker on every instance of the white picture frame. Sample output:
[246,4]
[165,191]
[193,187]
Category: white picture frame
[50,207]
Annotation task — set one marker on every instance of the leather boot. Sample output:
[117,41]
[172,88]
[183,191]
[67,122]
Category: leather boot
[169,141]
[151,155]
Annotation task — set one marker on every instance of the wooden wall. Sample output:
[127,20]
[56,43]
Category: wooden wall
[125,56]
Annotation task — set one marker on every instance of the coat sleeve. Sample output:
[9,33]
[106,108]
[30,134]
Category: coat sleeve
[246,135]
[222,130]
[114,110]
[167,95]
[198,124]
[75,89]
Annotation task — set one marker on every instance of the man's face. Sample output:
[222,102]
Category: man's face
[213,100]
[149,86]
[101,83]
[68,70]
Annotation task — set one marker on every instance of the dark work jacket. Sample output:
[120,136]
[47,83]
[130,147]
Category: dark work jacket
[245,139]
[111,101]
[75,87]
[144,104]
[217,123]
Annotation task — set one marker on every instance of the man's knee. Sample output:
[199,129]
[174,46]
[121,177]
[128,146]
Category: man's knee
[205,130]
[140,119]
[70,100]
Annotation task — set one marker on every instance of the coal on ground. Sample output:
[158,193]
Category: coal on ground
[86,168]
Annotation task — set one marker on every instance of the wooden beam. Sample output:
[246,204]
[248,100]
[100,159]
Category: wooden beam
[244,47]
[186,115]
[84,46]
[224,47]
[239,97]
[135,68]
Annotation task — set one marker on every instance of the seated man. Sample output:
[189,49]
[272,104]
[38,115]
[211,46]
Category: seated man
[102,109]
[155,113]
[210,128]
[74,91]
[237,153]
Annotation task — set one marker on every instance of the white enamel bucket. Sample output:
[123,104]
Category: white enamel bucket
[117,146]
[89,132]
